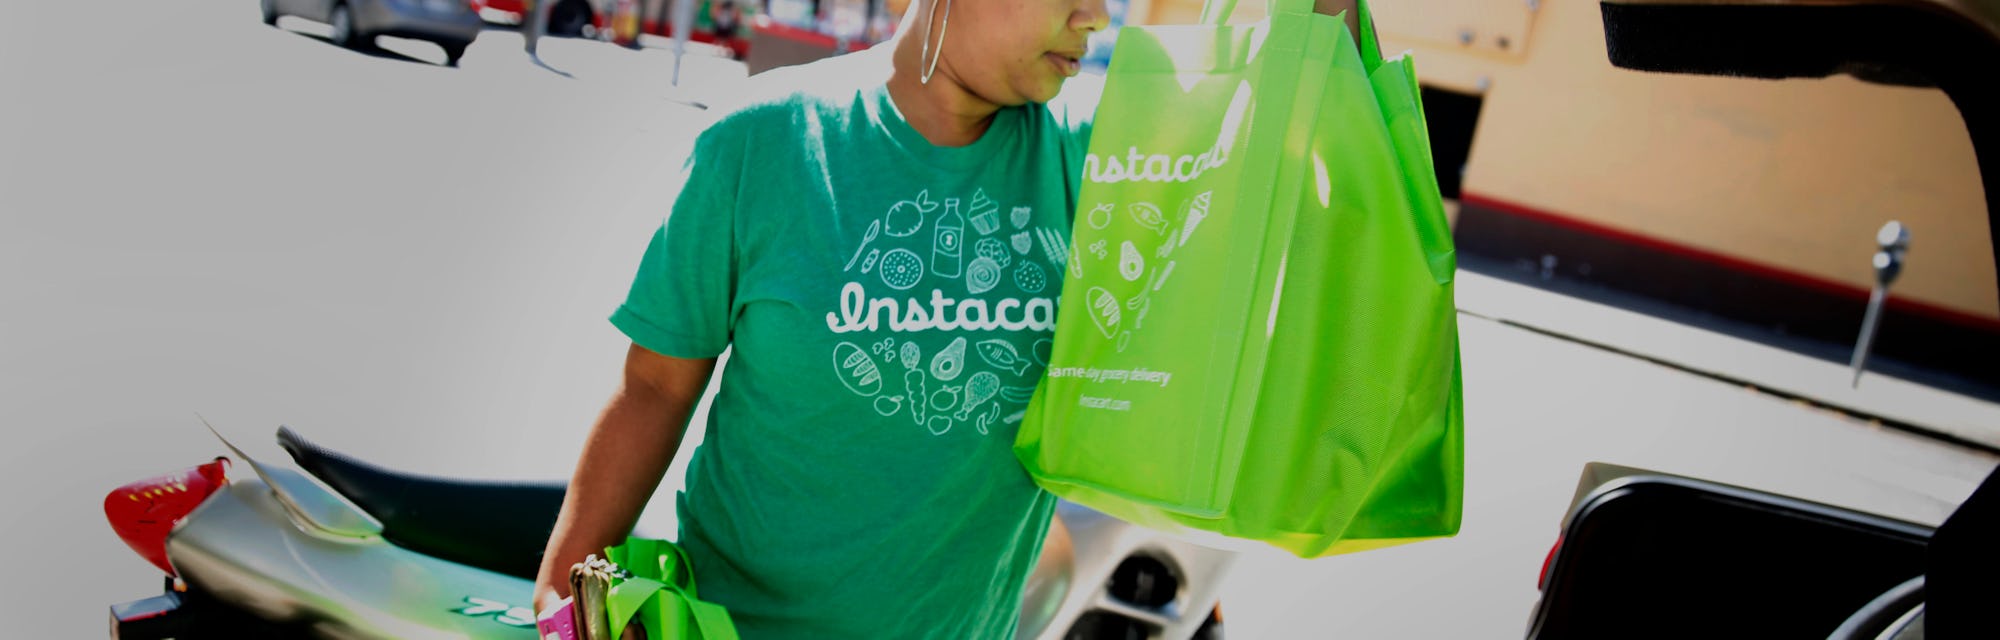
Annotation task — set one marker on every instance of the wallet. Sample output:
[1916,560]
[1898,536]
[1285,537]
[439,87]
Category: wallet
[590,584]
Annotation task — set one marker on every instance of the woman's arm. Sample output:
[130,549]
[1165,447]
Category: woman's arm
[634,440]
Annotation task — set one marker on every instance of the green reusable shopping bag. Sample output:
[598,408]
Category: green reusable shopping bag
[1257,335]
[660,595]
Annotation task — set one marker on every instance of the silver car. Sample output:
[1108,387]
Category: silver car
[449,23]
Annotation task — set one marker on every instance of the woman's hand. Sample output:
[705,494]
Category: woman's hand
[547,598]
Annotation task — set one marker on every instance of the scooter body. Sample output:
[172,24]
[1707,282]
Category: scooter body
[245,547]
[300,551]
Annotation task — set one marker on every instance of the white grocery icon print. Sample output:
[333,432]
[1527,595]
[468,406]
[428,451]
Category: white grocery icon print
[1118,321]
[1131,265]
[907,217]
[982,387]
[950,362]
[1053,245]
[1030,278]
[1149,216]
[1001,354]
[918,245]
[992,413]
[901,269]
[995,250]
[982,275]
[944,400]
[1097,249]
[1104,310]
[1099,216]
[985,215]
[888,405]
[914,385]
[947,254]
[1197,210]
[874,228]
[856,369]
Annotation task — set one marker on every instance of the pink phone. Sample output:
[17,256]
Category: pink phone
[559,622]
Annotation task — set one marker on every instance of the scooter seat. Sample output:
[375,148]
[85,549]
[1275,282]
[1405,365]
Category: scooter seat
[497,526]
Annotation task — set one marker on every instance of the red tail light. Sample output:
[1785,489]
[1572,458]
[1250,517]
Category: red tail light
[144,512]
[1543,582]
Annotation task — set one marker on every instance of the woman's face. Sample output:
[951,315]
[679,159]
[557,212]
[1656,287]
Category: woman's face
[1010,52]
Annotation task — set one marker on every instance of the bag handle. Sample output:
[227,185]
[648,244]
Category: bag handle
[1371,48]
[1217,12]
[654,559]
[661,577]
[646,597]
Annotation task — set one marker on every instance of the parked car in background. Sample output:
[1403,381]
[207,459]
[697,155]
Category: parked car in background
[570,18]
[449,23]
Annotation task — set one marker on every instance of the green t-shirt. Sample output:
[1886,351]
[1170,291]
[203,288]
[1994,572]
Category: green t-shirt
[890,304]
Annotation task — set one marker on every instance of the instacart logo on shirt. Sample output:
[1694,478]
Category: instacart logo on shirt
[860,312]
[1003,268]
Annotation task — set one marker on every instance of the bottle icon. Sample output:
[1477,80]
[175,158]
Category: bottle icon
[947,255]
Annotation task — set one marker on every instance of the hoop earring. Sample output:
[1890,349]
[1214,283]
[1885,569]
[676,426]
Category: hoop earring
[931,67]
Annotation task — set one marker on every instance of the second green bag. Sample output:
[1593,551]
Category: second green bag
[1257,335]
[660,595]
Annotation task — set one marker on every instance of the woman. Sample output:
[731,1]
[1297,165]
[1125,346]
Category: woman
[881,238]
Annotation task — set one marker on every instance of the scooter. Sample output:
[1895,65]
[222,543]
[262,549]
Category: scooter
[334,547]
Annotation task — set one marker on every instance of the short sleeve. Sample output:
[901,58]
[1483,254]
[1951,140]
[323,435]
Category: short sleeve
[682,300]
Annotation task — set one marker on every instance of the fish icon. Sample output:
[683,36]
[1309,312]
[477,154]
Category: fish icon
[1002,354]
[1148,216]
